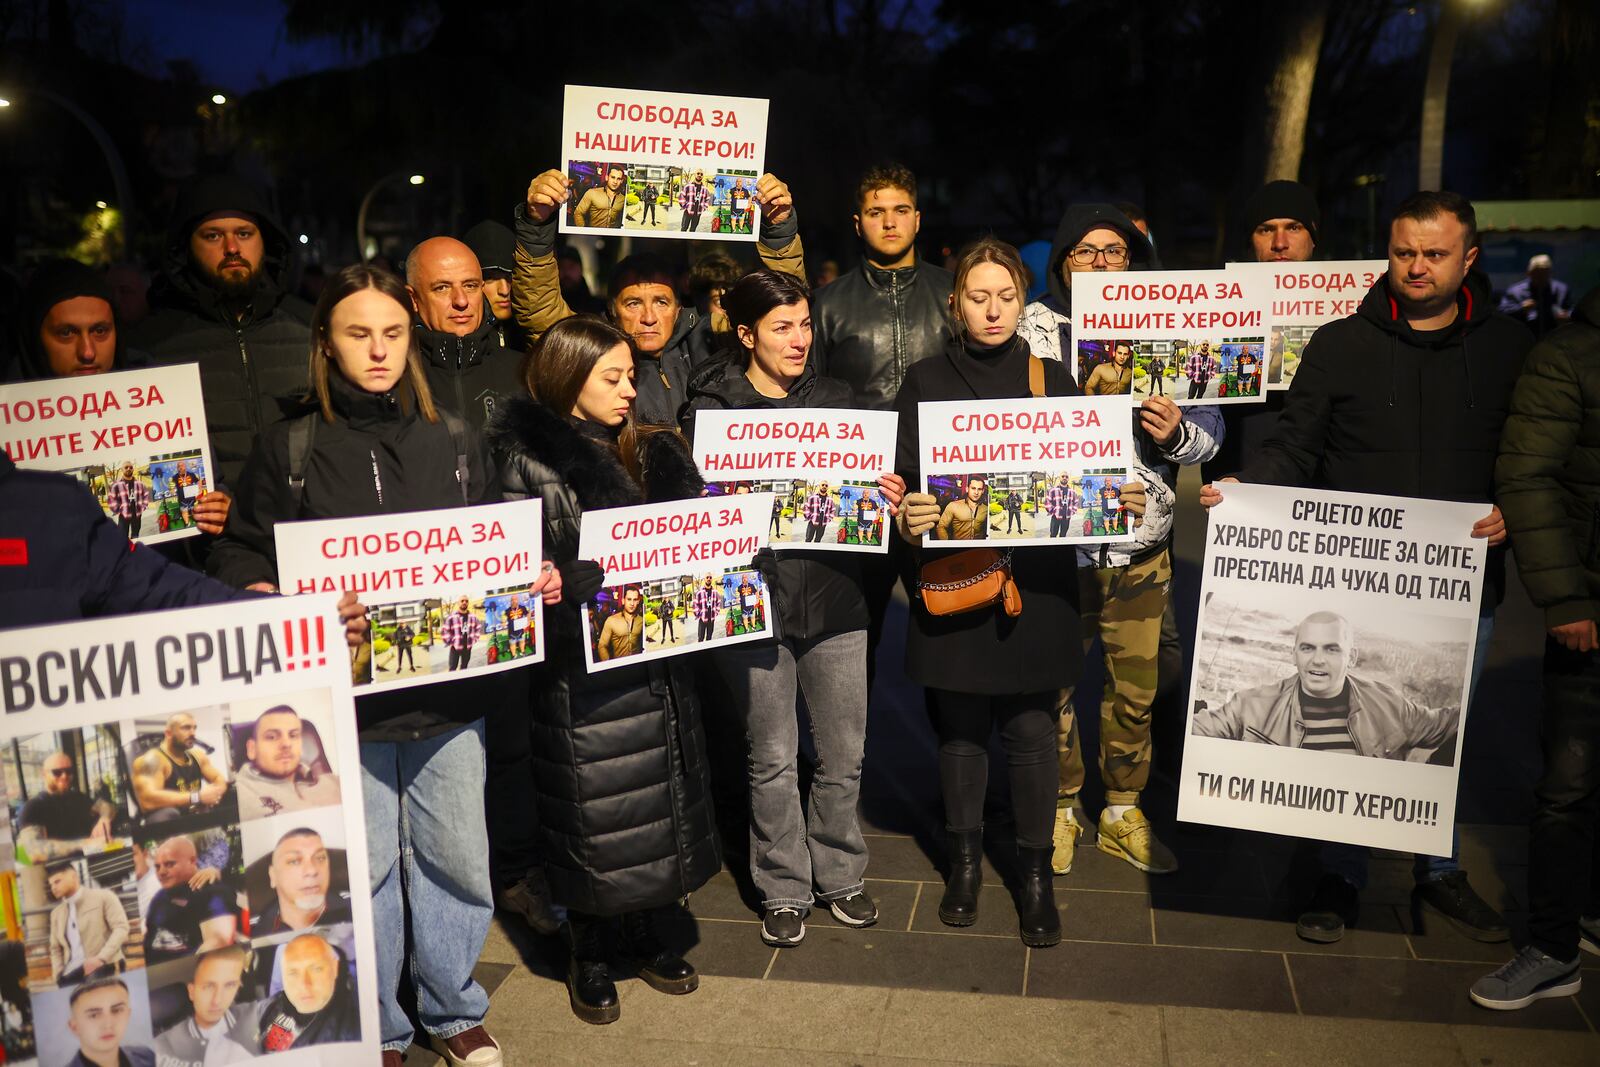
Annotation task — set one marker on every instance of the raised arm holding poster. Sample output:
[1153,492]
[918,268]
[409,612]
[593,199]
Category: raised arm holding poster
[1332,666]
[1304,296]
[1197,336]
[123,924]
[680,577]
[1040,471]
[447,591]
[663,164]
[136,439]
[821,464]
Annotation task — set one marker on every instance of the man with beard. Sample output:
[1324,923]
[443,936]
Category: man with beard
[126,500]
[273,780]
[301,876]
[1406,398]
[622,634]
[213,1034]
[176,778]
[220,303]
[704,609]
[461,630]
[56,821]
[967,517]
[318,1003]
[184,920]
[602,206]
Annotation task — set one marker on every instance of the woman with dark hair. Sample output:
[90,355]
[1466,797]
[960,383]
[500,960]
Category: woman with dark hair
[986,669]
[619,769]
[795,860]
[368,440]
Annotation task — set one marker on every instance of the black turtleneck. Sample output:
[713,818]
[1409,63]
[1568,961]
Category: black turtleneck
[994,371]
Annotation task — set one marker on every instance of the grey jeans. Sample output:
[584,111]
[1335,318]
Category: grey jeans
[789,853]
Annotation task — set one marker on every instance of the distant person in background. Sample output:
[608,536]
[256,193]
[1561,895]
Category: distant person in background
[495,246]
[1539,301]
[827,272]
[574,287]
[130,292]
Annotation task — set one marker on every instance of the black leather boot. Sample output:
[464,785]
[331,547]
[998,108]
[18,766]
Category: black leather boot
[1037,918]
[589,987]
[660,967]
[959,905]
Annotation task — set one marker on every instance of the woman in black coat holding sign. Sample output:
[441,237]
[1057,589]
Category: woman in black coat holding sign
[823,645]
[368,440]
[620,772]
[984,669]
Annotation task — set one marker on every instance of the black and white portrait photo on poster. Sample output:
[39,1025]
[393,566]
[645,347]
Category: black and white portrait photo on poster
[1333,666]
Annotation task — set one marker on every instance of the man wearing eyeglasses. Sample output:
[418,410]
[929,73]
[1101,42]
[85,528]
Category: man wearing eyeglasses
[58,820]
[1124,588]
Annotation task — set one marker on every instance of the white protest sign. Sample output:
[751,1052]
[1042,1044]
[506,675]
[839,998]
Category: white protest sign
[662,164]
[261,690]
[1196,336]
[1038,471]
[447,591]
[1332,666]
[679,578]
[136,439]
[821,464]
[1305,296]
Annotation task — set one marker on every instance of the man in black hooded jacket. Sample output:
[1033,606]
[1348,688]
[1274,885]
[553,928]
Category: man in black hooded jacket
[220,302]
[1407,397]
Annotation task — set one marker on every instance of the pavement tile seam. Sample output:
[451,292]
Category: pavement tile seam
[1288,972]
[911,918]
[1576,1003]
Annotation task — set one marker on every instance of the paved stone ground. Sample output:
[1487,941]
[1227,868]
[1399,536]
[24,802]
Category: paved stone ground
[1199,967]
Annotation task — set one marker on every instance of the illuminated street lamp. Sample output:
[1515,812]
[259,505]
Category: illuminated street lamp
[366,203]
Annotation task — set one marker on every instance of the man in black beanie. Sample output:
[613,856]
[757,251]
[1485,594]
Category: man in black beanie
[69,325]
[495,246]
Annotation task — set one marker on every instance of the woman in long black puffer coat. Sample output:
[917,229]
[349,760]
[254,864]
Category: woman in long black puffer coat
[619,757]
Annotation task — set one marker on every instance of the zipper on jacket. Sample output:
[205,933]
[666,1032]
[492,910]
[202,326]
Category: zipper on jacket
[377,479]
[899,331]
[249,380]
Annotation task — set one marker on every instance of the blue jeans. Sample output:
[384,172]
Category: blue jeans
[428,853]
[1350,861]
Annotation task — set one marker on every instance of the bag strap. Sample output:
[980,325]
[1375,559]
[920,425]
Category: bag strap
[1002,563]
[1035,375]
[302,435]
[458,438]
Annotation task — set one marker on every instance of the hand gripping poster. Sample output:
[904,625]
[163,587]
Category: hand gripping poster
[1196,336]
[821,466]
[1333,663]
[136,439]
[1304,297]
[447,591]
[1041,471]
[188,873]
[680,577]
[659,164]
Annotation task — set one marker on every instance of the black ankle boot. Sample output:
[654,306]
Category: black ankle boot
[589,987]
[659,966]
[959,906]
[1037,918]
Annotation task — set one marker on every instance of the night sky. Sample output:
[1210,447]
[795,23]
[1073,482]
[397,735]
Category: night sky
[238,45]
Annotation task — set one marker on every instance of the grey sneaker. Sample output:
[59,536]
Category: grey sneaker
[783,927]
[529,897]
[1528,976]
[1589,934]
[857,909]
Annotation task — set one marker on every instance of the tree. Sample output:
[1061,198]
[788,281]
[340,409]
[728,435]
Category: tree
[1288,90]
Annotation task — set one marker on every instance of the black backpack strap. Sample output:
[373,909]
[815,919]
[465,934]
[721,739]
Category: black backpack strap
[459,439]
[302,435]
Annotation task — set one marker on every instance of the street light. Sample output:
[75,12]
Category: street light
[119,173]
[218,99]
[366,203]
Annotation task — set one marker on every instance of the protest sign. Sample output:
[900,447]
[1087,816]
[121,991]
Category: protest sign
[168,768]
[1332,666]
[662,164]
[1038,471]
[1304,296]
[821,464]
[679,578]
[136,439]
[447,591]
[1196,336]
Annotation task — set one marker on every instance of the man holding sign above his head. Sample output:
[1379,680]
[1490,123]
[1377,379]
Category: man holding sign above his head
[1406,398]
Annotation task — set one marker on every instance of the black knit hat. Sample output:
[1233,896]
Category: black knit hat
[1283,200]
[54,281]
[495,246]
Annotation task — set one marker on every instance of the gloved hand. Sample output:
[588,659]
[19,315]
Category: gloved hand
[1132,496]
[581,579]
[918,513]
[766,561]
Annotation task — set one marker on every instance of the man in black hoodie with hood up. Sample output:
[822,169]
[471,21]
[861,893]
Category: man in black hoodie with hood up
[220,302]
[1407,397]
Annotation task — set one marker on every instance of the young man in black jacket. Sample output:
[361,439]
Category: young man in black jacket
[1407,397]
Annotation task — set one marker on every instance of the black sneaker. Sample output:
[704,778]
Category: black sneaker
[1334,906]
[1589,934]
[783,927]
[857,909]
[1452,897]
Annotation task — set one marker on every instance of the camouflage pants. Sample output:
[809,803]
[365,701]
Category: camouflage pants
[1123,607]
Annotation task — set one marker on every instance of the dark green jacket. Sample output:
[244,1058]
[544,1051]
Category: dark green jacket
[1547,478]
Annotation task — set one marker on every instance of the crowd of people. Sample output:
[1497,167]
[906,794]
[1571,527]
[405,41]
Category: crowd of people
[583,802]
